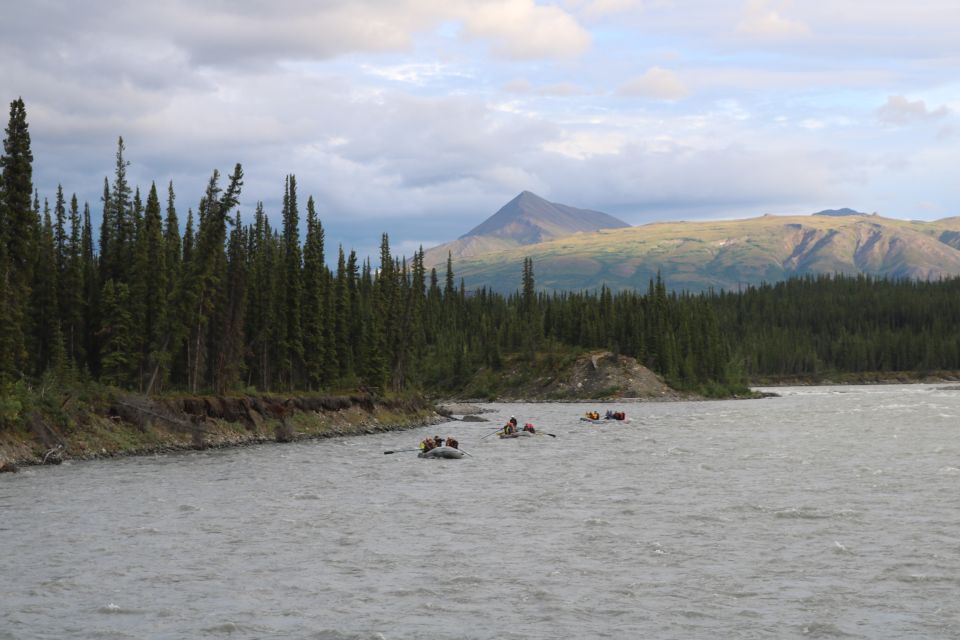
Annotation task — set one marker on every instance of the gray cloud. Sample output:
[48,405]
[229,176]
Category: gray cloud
[395,116]
[898,110]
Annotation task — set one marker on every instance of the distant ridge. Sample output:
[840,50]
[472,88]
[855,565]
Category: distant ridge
[727,254]
[846,211]
[527,219]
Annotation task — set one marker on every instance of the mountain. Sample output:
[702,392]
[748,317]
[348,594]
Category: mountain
[729,254]
[846,211]
[525,220]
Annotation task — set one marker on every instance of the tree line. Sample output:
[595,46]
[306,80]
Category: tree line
[229,304]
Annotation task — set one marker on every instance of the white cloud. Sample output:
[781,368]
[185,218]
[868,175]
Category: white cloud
[523,29]
[415,73]
[393,111]
[562,89]
[898,110]
[592,9]
[254,32]
[518,85]
[582,145]
[760,21]
[657,83]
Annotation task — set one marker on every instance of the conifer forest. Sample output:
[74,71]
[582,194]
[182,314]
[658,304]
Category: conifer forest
[160,297]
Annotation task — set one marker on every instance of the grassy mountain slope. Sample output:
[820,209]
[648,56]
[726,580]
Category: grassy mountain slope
[727,254]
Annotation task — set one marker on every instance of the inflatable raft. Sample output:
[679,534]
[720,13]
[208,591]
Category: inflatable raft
[591,420]
[441,452]
[518,434]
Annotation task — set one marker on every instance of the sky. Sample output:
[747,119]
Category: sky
[421,118]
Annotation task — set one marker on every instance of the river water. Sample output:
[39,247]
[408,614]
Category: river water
[826,512]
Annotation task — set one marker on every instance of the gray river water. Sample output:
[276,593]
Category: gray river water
[826,512]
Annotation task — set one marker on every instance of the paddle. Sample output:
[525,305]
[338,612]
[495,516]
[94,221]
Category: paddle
[490,434]
[546,434]
[400,451]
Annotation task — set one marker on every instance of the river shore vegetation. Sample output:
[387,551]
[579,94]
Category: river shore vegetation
[160,302]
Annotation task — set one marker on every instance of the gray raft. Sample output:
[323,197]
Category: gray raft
[441,452]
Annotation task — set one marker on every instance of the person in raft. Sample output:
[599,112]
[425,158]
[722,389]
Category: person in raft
[427,443]
[529,427]
[510,427]
[452,442]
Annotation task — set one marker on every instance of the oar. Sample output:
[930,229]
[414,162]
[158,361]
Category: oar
[399,451]
[490,434]
[546,434]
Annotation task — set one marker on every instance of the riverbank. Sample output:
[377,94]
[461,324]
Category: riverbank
[128,424]
[869,377]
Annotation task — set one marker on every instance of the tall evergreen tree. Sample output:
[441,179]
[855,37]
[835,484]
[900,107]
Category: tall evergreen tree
[290,311]
[229,320]
[46,339]
[91,295]
[122,216]
[60,230]
[18,227]
[118,358]
[207,270]
[151,289]
[314,296]
[71,296]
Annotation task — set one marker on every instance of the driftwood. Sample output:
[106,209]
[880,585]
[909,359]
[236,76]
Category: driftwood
[53,456]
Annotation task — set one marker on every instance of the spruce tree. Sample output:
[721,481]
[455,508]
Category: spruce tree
[46,340]
[229,327]
[344,320]
[122,217]
[19,232]
[151,289]
[207,270]
[71,296]
[314,280]
[118,358]
[91,295]
[291,343]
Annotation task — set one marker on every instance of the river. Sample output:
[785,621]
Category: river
[826,512]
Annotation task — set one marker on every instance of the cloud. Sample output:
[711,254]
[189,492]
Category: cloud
[405,114]
[760,21]
[415,73]
[248,33]
[557,90]
[592,9]
[899,111]
[582,145]
[562,89]
[656,83]
[523,29]
[518,85]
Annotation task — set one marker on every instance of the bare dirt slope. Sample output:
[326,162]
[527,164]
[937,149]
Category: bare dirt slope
[595,376]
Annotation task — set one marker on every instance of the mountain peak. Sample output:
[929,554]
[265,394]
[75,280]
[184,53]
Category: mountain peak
[528,219]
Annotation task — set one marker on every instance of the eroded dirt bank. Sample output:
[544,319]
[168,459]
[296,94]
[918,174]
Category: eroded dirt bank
[134,425]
